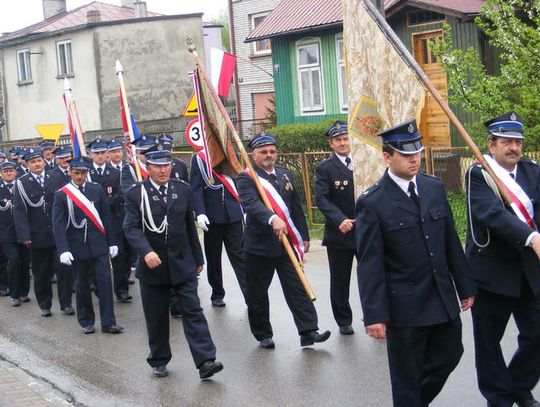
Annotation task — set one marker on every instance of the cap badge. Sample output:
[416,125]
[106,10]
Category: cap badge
[410,129]
[513,117]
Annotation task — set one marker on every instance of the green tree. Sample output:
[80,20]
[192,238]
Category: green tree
[223,19]
[512,28]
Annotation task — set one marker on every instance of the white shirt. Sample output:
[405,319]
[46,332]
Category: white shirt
[403,183]
[342,158]
[158,186]
[100,166]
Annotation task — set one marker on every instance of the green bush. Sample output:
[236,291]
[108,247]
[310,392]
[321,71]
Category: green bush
[302,137]
[459,210]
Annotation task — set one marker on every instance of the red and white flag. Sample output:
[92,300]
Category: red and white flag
[221,70]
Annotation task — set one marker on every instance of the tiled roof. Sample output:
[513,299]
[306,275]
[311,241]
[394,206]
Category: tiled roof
[301,15]
[74,18]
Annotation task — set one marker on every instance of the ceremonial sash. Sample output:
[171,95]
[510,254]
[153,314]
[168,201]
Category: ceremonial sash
[521,204]
[224,179]
[281,210]
[84,205]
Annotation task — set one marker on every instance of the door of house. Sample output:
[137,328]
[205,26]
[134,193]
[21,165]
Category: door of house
[435,125]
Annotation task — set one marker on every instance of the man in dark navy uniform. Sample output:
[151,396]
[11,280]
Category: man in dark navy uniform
[128,175]
[410,264]
[115,153]
[159,225]
[264,252]
[220,215]
[60,173]
[108,177]
[47,149]
[15,252]
[334,194]
[179,168]
[504,253]
[32,209]
[81,222]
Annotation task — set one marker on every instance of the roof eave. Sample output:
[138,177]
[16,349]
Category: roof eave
[421,5]
[295,31]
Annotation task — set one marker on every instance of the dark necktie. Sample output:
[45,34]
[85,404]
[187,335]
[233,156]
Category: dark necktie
[163,192]
[40,180]
[81,188]
[274,179]
[100,171]
[413,196]
[512,175]
[348,163]
[10,187]
[66,173]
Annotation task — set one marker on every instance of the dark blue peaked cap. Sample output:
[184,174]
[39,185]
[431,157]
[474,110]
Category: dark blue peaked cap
[80,163]
[158,154]
[31,152]
[507,125]
[144,141]
[98,145]
[262,139]
[337,129]
[63,151]
[6,165]
[404,138]
[114,145]
[47,144]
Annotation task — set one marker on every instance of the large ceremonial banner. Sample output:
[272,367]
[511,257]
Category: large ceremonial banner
[383,91]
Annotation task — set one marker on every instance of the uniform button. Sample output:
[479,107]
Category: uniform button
[422,220]
[400,223]
[432,254]
[435,270]
[479,250]
[427,237]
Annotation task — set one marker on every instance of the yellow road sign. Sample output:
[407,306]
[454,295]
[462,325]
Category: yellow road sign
[50,131]
[191,108]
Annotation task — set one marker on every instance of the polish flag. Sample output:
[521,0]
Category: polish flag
[221,70]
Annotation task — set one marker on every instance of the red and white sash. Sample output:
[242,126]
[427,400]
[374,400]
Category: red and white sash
[280,208]
[521,203]
[225,179]
[83,204]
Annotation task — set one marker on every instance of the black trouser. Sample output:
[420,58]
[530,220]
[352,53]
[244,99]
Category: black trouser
[231,235]
[18,265]
[260,271]
[500,384]
[102,272]
[4,283]
[121,268]
[64,284]
[43,269]
[340,262]
[421,359]
[155,300]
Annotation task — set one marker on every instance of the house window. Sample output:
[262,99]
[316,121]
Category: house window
[263,47]
[342,79]
[424,17]
[309,75]
[23,66]
[64,59]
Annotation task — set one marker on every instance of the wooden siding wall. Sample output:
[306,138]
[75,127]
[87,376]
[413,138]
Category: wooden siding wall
[464,36]
[286,83]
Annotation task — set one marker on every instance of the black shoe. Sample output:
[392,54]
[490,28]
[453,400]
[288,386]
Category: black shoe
[88,329]
[311,337]
[209,368]
[176,315]
[46,313]
[113,329]
[160,371]
[68,311]
[125,297]
[267,343]
[4,292]
[218,303]
[25,299]
[15,302]
[131,281]
[528,403]
[346,330]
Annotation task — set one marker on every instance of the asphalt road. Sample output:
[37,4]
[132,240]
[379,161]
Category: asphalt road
[111,370]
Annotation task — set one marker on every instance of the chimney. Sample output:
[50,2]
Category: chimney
[129,3]
[140,10]
[93,16]
[53,7]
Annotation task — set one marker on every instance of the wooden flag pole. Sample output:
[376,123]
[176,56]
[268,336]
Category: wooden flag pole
[75,116]
[127,115]
[260,189]
[428,85]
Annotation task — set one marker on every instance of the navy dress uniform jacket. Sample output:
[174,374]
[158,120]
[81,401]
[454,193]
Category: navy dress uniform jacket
[35,223]
[334,194]
[409,260]
[218,204]
[259,237]
[494,266]
[88,242]
[179,170]
[7,225]
[178,248]
[110,182]
[60,178]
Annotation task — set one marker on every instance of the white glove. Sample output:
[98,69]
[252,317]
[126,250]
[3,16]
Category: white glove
[203,222]
[66,258]
[113,251]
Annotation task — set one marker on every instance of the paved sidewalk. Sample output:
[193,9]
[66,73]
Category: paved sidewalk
[18,389]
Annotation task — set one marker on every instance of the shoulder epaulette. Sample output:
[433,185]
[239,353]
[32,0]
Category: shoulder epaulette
[370,190]
[529,160]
